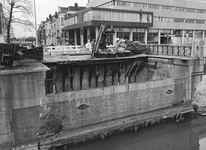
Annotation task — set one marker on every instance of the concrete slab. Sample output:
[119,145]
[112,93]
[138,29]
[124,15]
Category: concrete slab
[24,66]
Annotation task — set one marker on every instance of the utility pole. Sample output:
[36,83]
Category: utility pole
[35,23]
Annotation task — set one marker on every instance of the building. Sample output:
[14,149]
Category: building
[83,26]
[55,24]
[41,34]
[174,21]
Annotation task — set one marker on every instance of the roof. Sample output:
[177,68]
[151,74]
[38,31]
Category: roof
[70,8]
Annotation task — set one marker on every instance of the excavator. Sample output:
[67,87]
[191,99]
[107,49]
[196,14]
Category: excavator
[122,48]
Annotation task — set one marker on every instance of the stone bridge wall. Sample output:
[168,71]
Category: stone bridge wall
[26,111]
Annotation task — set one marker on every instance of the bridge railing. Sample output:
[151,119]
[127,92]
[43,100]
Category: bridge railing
[170,50]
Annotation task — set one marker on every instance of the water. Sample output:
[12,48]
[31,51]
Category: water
[187,135]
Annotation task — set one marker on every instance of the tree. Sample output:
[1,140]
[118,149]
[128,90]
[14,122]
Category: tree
[17,12]
[4,27]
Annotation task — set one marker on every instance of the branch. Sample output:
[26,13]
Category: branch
[23,22]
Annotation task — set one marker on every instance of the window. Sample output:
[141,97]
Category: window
[156,19]
[177,32]
[144,18]
[96,15]
[190,10]
[89,15]
[144,5]
[167,7]
[189,21]
[140,17]
[121,3]
[164,19]
[149,18]
[181,9]
[106,15]
[85,17]
[150,6]
[133,17]
[179,20]
[200,11]
[105,5]
[124,16]
[128,4]
[200,21]
[137,5]
[116,16]
[75,20]
[62,21]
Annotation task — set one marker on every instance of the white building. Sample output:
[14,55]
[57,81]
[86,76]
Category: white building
[176,21]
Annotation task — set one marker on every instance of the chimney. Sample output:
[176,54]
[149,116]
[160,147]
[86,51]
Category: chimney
[76,6]
[56,14]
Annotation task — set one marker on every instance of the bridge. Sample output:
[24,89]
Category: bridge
[67,100]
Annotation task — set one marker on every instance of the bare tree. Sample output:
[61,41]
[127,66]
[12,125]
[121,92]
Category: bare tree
[4,28]
[17,12]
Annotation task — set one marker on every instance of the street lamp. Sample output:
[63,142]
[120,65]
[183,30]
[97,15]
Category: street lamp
[35,23]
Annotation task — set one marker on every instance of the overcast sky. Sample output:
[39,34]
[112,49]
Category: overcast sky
[46,7]
[43,9]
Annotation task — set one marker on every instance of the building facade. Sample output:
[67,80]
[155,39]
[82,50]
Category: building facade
[41,34]
[83,26]
[175,21]
[53,27]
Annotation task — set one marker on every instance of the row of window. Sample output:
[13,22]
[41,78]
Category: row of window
[180,20]
[153,6]
[117,16]
[72,20]
[112,16]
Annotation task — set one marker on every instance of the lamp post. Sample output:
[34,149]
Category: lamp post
[35,23]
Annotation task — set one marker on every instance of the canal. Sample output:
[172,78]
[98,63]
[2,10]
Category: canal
[189,134]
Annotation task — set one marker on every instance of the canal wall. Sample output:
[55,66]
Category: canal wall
[164,83]
[155,88]
[21,89]
[90,94]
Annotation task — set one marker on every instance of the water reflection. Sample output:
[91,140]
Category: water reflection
[186,135]
[199,128]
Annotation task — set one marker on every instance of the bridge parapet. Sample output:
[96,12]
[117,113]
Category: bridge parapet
[170,50]
[195,50]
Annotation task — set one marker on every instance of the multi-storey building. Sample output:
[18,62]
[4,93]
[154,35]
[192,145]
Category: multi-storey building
[55,24]
[128,24]
[174,21]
